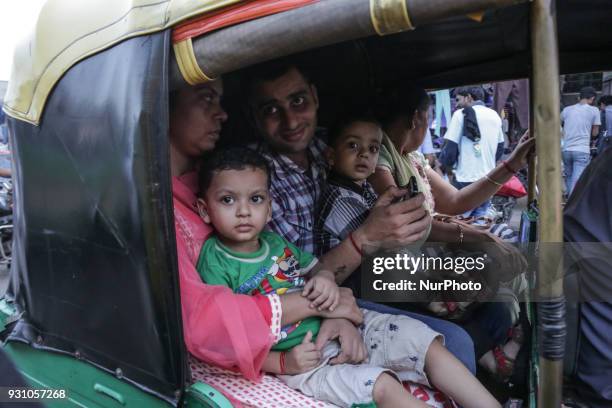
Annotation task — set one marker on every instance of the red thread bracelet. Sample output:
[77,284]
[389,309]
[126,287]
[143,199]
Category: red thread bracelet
[282,362]
[355,244]
[507,166]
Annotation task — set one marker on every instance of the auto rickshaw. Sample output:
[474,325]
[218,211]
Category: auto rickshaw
[94,305]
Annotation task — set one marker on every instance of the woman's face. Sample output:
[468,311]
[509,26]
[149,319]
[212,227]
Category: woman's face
[421,122]
[416,129]
[196,119]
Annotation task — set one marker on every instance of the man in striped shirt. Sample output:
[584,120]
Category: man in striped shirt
[283,104]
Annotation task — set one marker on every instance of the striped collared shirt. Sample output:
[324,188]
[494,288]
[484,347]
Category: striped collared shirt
[343,208]
[295,193]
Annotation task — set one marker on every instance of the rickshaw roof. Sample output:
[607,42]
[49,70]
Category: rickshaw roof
[57,43]
[440,55]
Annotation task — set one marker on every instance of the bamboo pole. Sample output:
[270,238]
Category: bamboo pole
[531,180]
[547,125]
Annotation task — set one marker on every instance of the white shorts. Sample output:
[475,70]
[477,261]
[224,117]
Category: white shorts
[396,344]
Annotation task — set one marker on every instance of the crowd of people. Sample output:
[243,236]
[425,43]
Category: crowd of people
[248,224]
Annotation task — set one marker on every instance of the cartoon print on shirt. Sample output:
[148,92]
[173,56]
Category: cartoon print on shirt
[286,268]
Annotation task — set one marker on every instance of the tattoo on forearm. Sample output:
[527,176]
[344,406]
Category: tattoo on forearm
[340,270]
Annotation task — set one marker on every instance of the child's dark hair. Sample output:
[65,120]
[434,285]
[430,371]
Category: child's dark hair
[344,121]
[232,158]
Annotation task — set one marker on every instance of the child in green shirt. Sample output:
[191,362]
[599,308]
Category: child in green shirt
[234,198]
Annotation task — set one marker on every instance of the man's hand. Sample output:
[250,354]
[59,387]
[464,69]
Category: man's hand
[396,224]
[303,357]
[322,291]
[346,309]
[353,349]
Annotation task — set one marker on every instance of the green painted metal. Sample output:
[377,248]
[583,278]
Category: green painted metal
[7,313]
[85,385]
[203,395]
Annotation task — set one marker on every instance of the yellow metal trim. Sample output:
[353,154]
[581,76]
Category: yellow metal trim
[477,16]
[188,63]
[390,16]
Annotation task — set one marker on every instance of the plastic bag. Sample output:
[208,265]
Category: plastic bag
[512,188]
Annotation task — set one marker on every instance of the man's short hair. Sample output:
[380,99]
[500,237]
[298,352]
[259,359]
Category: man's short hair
[606,100]
[587,92]
[231,158]
[269,71]
[476,92]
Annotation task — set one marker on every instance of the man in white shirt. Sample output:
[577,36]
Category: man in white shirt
[474,141]
[580,122]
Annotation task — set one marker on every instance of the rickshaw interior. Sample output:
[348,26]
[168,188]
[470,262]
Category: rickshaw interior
[455,51]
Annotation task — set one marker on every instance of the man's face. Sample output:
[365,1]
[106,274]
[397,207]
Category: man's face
[196,119]
[285,112]
[463,101]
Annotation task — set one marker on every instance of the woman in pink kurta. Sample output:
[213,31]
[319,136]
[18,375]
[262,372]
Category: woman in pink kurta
[227,335]
[230,331]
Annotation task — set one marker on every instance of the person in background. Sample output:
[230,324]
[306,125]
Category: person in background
[427,150]
[605,130]
[474,143]
[580,123]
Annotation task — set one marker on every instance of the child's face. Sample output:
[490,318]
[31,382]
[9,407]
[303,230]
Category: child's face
[355,153]
[237,204]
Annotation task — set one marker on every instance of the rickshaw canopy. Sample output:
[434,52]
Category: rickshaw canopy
[67,32]
[455,51]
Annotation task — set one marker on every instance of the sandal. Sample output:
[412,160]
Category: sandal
[504,365]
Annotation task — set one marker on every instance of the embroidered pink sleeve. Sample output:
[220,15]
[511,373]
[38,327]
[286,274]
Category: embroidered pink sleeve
[277,314]
[271,309]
